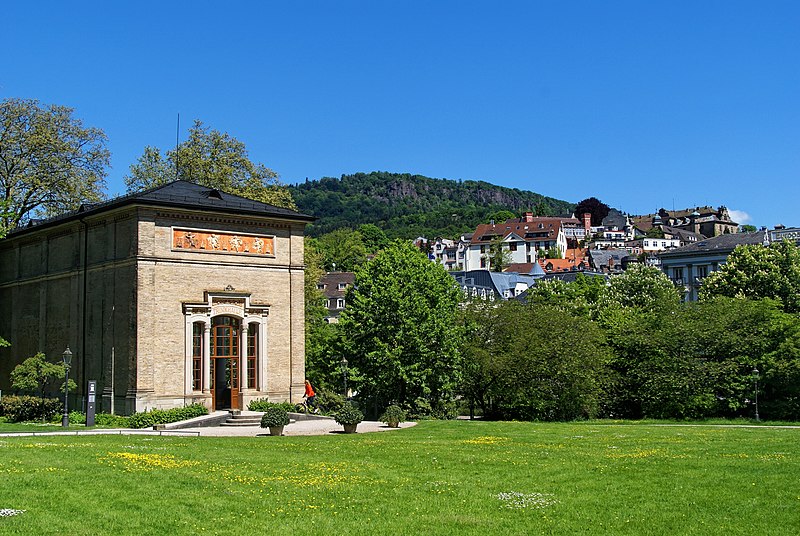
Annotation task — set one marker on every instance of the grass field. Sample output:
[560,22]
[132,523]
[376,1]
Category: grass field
[448,478]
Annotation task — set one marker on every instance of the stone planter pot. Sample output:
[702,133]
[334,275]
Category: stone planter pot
[350,428]
[276,430]
[393,424]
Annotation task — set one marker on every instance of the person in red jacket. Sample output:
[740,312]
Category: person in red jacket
[311,397]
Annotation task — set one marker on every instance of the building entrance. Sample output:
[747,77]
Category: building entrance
[225,359]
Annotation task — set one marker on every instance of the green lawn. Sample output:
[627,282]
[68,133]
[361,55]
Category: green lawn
[448,478]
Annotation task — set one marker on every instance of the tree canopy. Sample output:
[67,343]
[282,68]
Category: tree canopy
[399,330]
[49,161]
[757,271]
[407,206]
[342,250]
[550,369]
[593,206]
[214,159]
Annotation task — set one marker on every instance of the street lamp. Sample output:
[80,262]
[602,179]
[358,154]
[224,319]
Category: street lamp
[343,362]
[755,377]
[67,358]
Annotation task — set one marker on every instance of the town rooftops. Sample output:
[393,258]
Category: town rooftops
[526,229]
[722,243]
[180,194]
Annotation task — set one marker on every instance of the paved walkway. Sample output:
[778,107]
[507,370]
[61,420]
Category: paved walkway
[312,426]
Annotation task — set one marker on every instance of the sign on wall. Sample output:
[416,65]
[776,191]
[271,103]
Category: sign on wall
[205,241]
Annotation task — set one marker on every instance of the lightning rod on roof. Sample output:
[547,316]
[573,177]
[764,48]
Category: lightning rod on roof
[177,140]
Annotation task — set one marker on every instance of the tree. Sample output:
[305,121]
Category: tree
[35,374]
[757,271]
[399,331]
[747,228]
[3,211]
[579,297]
[593,206]
[342,250]
[49,161]
[501,216]
[695,361]
[499,254]
[373,237]
[531,363]
[214,159]
[655,232]
[642,287]
[320,335]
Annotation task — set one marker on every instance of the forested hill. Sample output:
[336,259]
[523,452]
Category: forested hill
[407,206]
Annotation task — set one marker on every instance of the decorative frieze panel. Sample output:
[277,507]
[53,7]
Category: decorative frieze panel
[205,241]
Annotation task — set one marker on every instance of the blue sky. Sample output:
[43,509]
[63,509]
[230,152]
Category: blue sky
[641,104]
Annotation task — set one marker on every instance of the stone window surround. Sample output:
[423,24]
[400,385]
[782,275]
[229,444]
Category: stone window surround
[237,305]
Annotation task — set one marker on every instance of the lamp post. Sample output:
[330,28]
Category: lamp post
[343,362]
[67,358]
[755,377]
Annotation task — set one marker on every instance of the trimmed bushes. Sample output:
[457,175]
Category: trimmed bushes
[262,404]
[164,416]
[29,408]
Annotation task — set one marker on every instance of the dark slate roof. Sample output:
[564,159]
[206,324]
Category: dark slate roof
[331,281]
[721,243]
[682,234]
[599,257]
[615,218]
[180,194]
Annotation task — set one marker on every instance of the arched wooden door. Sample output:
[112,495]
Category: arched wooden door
[225,359]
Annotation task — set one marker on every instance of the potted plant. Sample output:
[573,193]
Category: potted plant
[349,417]
[393,416]
[275,418]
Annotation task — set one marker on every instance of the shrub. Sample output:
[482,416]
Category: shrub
[77,417]
[393,414]
[115,421]
[329,402]
[161,416]
[348,415]
[274,416]
[262,404]
[29,408]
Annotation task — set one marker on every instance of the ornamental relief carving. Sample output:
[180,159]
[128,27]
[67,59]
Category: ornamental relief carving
[219,242]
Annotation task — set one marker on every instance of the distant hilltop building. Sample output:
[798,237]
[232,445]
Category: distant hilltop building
[706,221]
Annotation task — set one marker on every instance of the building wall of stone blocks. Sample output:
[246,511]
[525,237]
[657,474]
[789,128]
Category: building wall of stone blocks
[135,285]
[42,289]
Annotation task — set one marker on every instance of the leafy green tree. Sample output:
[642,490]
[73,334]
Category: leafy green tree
[757,271]
[342,250]
[321,361]
[51,162]
[593,206]
[3,230]
[373,237]
[501,216]
[499,255]
[552,369]
[747,228]
[642,287]
[655,232]
[399,331]
[695,361]
[550,253]
[579,297]
[36,374]
[214,159]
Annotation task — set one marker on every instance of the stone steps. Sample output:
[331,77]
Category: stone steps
[245,420]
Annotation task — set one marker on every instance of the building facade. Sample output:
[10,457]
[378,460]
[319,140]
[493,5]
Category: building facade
[688,266]
[180,294]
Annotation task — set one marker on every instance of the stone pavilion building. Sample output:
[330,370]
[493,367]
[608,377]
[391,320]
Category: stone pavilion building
[176,295]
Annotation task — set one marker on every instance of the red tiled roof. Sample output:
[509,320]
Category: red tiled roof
[486,232]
